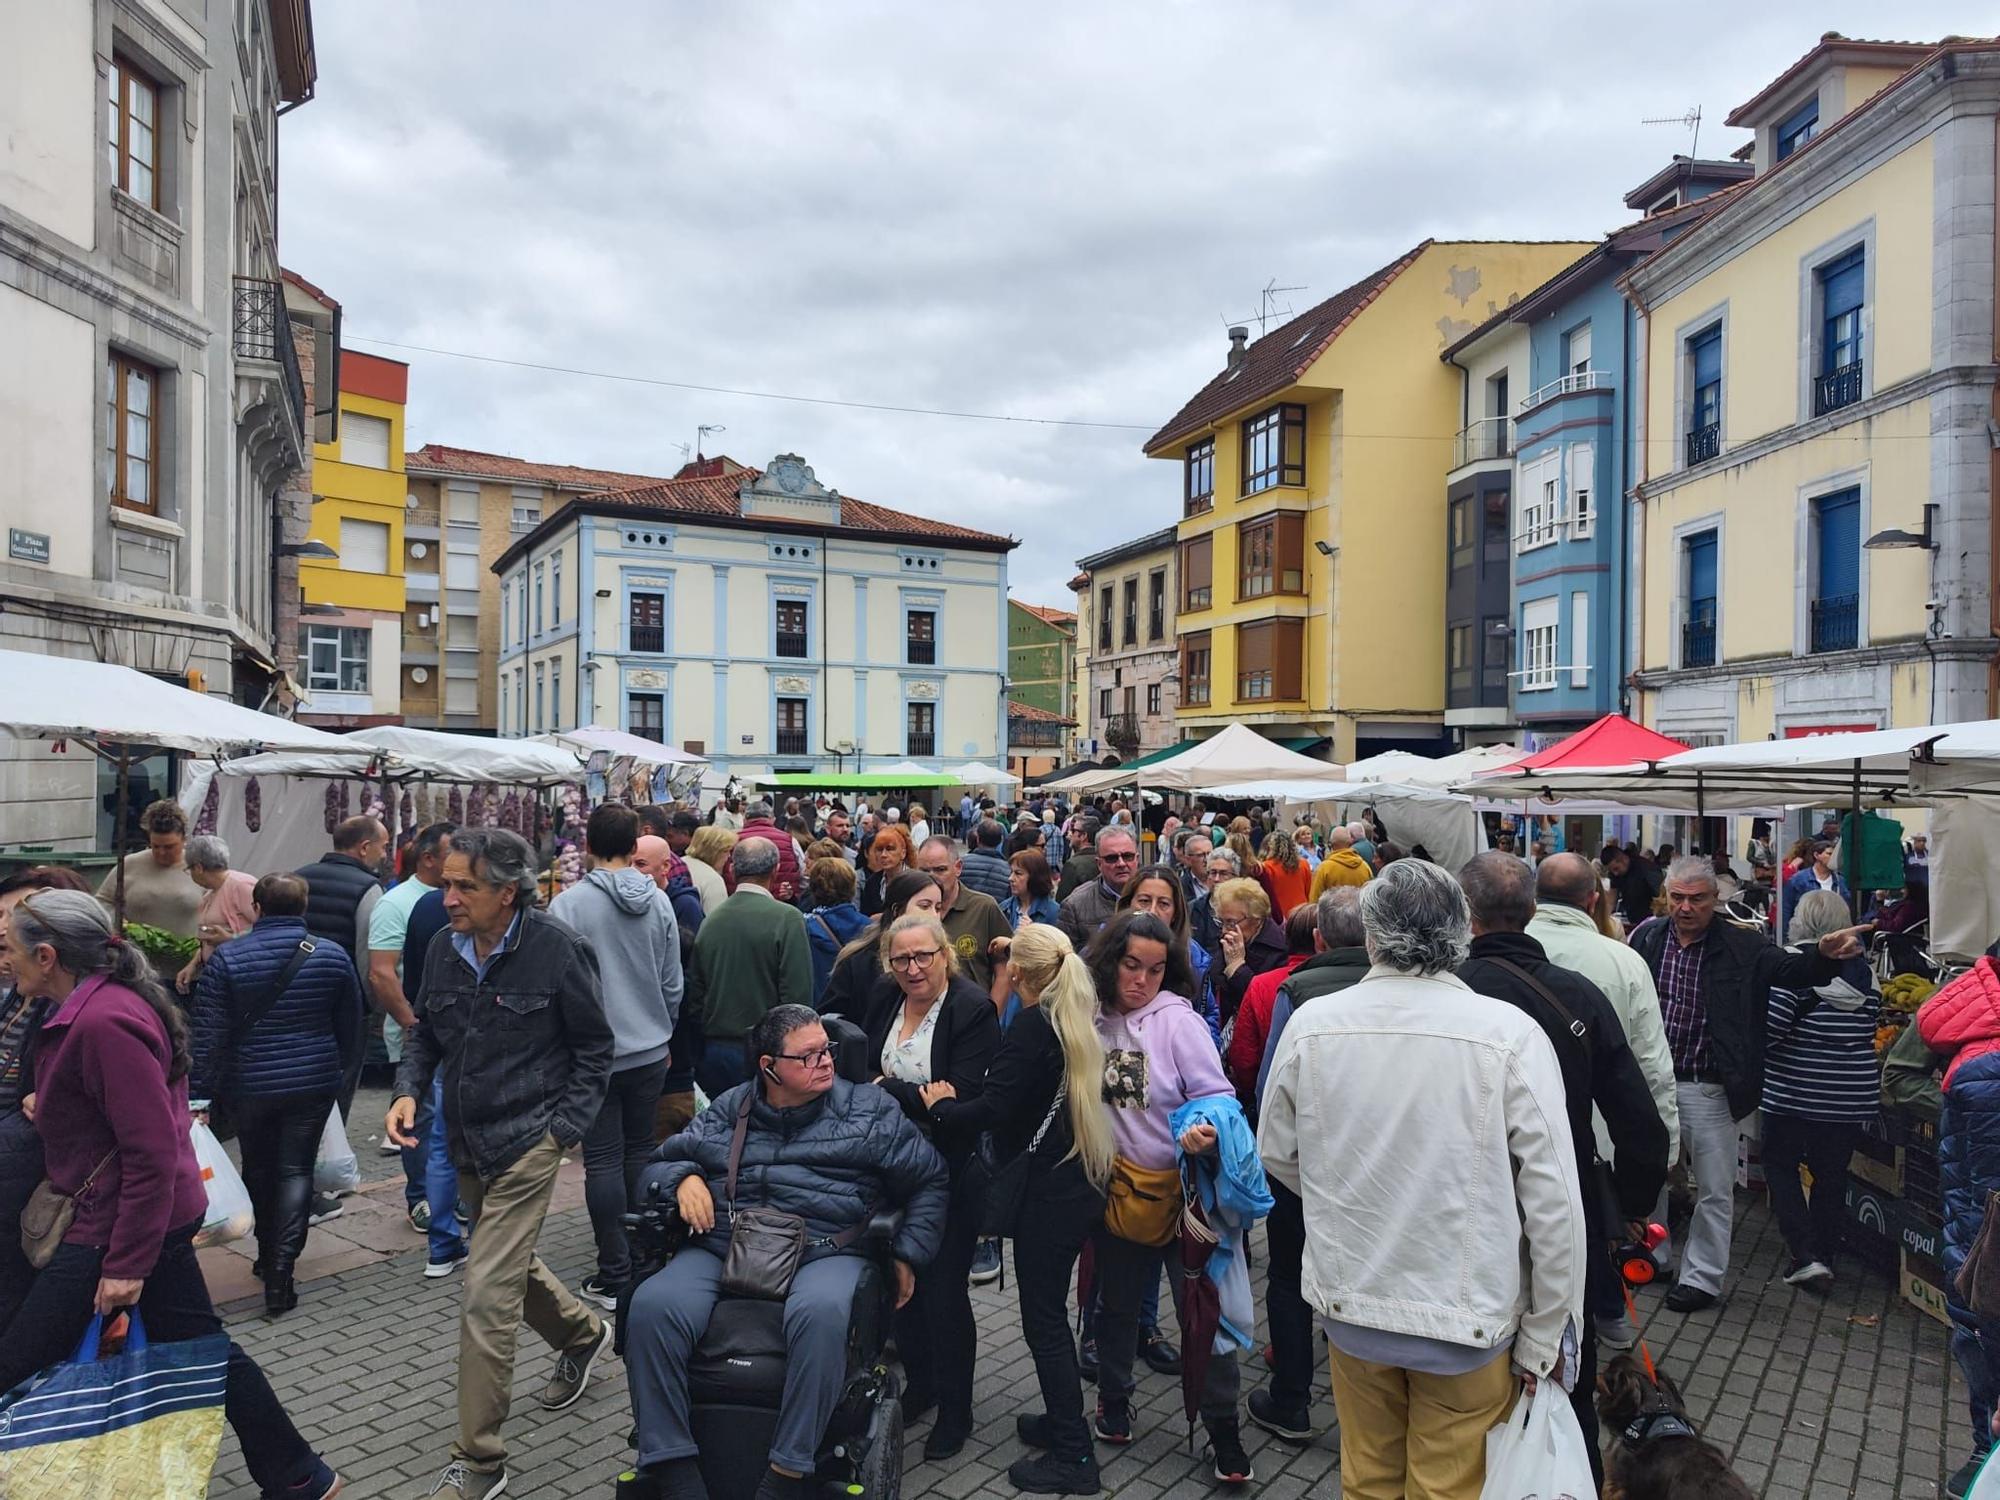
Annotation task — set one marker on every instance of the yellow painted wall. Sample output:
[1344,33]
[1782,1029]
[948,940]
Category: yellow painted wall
[1761,287]
[1858,85]
[362,493]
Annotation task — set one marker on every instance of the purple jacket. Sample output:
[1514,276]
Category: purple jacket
[100,1082]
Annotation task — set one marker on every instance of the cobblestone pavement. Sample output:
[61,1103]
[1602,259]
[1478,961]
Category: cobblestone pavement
[1852,1394]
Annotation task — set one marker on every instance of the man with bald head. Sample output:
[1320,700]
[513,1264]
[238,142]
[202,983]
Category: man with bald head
[655,857]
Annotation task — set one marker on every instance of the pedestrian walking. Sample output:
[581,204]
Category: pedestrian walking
[1030,891]
[342,888]
[111,1107]
[1412,1101]
[1288,877]
[832,920]
[224,911]
[1079,866]
[750,955]
[630,926]
[1089,905]
[518,1094]
[985,867]
[1344,863]
[707,855]
[971,918]
[277,1017]
[888,854]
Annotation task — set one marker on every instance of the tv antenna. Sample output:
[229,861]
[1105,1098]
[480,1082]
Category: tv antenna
[1267,306]
[701,436]
[687,451]
[1689,121]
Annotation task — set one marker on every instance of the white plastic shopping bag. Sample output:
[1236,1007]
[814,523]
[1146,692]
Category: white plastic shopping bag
[1986,1483]
[1538,1453]
[336,1171]
[229,1216]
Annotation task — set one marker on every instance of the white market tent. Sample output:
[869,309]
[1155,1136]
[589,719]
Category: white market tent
[623,759]
[978,773]
[1235,756]
[1404,769]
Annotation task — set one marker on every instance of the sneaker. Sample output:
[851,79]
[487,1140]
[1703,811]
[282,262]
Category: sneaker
[1232,1464]
[572,1372]
[1114,1422]
[469,1483]
[1293,1424]
[1086,1360]
[434,1269]
[986,1262]
[324,1206]
[1045,1474]
[1618,1333]
[1159,1351]
[595,1290]
[420,1216]
[1962,1477]
[1810,1274]
[390,1148]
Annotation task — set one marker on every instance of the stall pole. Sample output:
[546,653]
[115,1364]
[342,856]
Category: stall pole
[1853,880]
[121,806]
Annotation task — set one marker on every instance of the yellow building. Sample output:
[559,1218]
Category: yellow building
[351,635]
[1311,587]
[1815,498]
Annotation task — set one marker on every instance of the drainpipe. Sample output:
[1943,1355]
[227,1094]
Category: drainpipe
[1632,593]
[825,686]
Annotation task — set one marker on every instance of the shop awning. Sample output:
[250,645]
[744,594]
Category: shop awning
[854,781]
[1613,740]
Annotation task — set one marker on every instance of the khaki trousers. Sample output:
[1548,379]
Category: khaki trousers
[505,1282]
[1403,1433]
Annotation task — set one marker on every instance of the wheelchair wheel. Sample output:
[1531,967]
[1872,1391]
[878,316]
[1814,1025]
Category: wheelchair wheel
[880,1474]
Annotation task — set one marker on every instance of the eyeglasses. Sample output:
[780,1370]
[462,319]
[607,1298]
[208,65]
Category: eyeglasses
[818,1057]
[911,963]
[1117,859]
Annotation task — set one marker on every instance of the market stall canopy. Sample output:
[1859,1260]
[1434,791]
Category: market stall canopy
[60,697]
[428,753]
[590,739]
[978,773]
[1613,740]
[1236,755]
[856,781]
[1401,768]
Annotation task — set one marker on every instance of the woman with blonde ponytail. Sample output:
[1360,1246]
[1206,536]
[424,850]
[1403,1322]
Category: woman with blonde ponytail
[1051,1046]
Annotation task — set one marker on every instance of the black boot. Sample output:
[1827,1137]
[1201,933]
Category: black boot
[1047,1474]
[776,1486]
[676,1479]
[279,1295]
[948,1436]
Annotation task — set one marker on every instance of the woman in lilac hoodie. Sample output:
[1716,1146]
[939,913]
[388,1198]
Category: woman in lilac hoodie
[1158,1055]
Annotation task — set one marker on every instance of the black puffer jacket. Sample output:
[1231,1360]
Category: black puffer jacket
[832,1162]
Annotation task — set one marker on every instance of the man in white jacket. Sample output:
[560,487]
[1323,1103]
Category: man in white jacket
[1424,1127]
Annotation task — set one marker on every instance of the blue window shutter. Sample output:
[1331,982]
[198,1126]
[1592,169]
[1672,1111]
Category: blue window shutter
[1839,519]
[1843,282]
[1701,566]
[1707,351]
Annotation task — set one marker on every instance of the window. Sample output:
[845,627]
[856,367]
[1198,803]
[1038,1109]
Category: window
[521,695]
[364,440]
[646,716]
[922,721]
[1541,503]
[1194,668]
[1270,556]
[1268,660]
[922,636]
[1197,569]
[503,702]
[461,571]
[1492,660]
[1538,645]
[1842,284]
[555,694]
[1576,350]
[1131,633]
[1458,661]
[130,435]
[132,132]
[1152,697]
[792,631]
[1496,395]
[364,546]
[646,621]
[1104,618]
[462,505]
[1798,128]
[1698,630]
[1199,485]
[336,658]
[1582,460]
[1579,639]
[506,620]
[541,721]
[526,511]
[1461,534]
[539,578]
[1104,703]
[1274,449]
[1495,550]
[1704,437]
[555,589]
[461,632]
[461,695]
[1836,563]
[791,726]
[1156,604]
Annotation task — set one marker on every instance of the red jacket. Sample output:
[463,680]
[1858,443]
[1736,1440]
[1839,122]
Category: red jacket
[1253,1024]
[786,880]
[101,1081]
[1963,1018]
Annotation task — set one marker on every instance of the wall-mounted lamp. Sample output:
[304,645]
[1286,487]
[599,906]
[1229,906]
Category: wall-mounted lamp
[312,547]
[1895,538]
[604,593]
[1325,550]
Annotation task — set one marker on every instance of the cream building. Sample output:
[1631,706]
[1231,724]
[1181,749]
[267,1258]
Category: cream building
[1126,646]
[760,619]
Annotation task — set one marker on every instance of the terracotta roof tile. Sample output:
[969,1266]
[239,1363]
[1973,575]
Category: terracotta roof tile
[1853,49]
[441,459]
[1280,356]
[307,287]
[1028,713]
[1048,616]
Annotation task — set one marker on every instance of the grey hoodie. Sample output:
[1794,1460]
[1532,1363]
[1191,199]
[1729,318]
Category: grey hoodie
[629,923]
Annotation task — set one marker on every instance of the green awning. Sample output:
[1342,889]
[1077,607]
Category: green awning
[1302,743]
[853,781]
[1159,755]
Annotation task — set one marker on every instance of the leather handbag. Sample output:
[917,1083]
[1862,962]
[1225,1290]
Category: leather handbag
[766,1245]
[997,1186]
[1143,1204]
[47,1215]
[1978,1280]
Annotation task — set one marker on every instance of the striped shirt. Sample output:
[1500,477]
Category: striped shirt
[17,1015]
[1683,1007]
[1822,1066]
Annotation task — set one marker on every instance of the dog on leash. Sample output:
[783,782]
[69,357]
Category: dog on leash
[1656,1453]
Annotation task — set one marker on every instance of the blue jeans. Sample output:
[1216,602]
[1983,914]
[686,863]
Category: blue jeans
[1975,1356]
[440,1177]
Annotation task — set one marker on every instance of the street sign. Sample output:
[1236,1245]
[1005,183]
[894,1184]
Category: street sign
[27,546]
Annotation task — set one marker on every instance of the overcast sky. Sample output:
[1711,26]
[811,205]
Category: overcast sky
[1023,209]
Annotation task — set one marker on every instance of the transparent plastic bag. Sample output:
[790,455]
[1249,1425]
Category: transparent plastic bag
[229,1215]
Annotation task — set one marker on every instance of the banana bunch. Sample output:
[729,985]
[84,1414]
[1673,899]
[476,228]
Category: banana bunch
[1906,992]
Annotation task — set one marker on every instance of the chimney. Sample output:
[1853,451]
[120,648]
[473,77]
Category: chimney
[1238,337]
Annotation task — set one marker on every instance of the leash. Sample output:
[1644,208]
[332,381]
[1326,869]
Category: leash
[1632,1312]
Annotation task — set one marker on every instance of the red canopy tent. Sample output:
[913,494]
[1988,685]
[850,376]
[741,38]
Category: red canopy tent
[1613,740]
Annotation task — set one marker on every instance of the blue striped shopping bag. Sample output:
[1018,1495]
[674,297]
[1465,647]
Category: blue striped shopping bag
[145,1421]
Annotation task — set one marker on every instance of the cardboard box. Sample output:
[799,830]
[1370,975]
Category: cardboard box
[1923,1286]
[1871,1169]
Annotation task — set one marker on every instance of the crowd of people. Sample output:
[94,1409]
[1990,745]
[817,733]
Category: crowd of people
[1449,1093]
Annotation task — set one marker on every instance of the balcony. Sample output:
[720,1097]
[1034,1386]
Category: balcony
[647,637]
[261,330]
[922,654]
[1841,388]
[922,742]
[1836,623]
[1703,443]
[1035,734]
[1583,380]
[1121,732]
[1488,439]
[792,742]
[1698,635]
[793,643]
[1194,505]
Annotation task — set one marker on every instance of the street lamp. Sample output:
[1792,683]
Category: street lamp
[1895,538]
[312,547]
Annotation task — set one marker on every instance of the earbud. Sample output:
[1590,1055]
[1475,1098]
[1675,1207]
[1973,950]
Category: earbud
[771,1072]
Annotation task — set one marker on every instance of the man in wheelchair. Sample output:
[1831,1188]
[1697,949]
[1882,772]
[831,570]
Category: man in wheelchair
[809,1143]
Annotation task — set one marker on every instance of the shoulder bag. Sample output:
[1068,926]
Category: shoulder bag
[47,1215]
[766,1245]
[1978,1280]
[994,1186]
[1143,1204]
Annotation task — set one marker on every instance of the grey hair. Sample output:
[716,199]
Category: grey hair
[206,852]
[754,858]
[1118,830]
[1415,918]
[76,926]
[500,857]
[1817,914]
[1339,918]
[758,808]
[950,846]
[1692,869]
[1357,829]
[1224,852]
